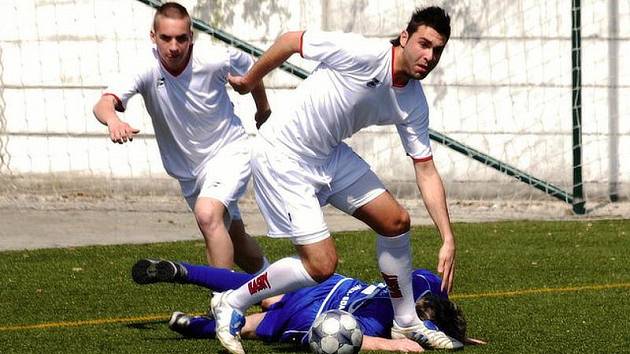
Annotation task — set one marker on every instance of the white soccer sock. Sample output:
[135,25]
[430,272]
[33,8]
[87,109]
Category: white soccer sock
[394,261]
[280,277]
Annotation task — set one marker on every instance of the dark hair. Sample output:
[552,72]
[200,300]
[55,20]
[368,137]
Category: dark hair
[444,313]
[171,10]
[434,17]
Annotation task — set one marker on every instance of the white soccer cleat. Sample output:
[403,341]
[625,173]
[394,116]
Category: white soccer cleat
[428,335]
[229,322]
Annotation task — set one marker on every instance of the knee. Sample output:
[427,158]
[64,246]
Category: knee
[397,225]
[208,219]
[322,268]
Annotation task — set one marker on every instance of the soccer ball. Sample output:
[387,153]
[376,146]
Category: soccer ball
[335,332]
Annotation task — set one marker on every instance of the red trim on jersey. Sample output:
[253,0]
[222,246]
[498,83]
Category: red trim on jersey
[394,83]
[422,159]
[301,41]
[119,106]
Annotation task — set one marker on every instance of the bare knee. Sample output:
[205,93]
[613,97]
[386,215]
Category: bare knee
[209,220]
[321,262]
[396,225]
[321,269]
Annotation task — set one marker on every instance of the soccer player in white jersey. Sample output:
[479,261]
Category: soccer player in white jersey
[201,141]
[300,163]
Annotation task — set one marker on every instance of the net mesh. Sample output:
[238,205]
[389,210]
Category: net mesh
[503,87]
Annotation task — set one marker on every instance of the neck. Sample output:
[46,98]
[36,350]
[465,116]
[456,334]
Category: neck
[399,76]
[178,70]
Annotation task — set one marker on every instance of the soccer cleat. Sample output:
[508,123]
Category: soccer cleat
[179,322]
[428,335]
[148,271]
[229,322]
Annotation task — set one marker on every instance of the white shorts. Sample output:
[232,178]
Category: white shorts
[224,177]
[290,194]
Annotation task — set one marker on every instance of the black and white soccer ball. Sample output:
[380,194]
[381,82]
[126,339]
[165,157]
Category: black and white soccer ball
[335,332]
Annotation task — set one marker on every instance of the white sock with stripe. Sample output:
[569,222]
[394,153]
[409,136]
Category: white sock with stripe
[282,276]
[394,261]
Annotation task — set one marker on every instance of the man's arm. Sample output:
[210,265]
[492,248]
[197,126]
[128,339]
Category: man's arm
[285,46]
[105,112]
[394,345]
[434,197]
[262,104]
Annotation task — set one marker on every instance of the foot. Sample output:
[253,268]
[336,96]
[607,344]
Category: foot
[428,335]
[192,326]
[179,322]
[148,271]
[229,322]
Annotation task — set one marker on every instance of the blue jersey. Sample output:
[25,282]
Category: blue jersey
[290,319]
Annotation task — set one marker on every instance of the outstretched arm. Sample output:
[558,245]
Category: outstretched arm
[434,197]
[393,345]
[285,46]
[105,112]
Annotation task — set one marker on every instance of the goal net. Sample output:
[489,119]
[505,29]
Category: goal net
[503,88]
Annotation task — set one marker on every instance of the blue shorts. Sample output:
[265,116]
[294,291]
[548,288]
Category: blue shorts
[290,319]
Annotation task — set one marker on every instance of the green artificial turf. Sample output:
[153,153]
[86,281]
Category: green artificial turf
[525,287]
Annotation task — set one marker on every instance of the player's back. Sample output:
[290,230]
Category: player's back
[352,88]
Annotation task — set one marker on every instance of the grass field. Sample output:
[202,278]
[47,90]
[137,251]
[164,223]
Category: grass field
[526,287]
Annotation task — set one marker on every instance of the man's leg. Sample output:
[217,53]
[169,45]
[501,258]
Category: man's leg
[317,262]
[391,221]
[247,252]
[210,214]
[204,327]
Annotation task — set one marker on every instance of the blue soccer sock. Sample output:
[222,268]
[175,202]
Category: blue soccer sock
[198,327]
[217,279]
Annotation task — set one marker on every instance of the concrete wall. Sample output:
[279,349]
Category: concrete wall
[503,86]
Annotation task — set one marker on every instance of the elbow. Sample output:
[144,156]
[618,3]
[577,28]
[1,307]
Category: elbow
[292,40]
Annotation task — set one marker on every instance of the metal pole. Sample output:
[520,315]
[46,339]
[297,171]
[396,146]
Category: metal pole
[613,100]
[576,56]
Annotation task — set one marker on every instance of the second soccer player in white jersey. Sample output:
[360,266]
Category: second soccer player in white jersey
[201,141]
[301,163]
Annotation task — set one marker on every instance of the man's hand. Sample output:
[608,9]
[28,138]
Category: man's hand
[402,345]
[261,117]
[446,265]
[405,345]
[239,84]
[121,132]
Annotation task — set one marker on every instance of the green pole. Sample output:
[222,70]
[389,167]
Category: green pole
[576,58]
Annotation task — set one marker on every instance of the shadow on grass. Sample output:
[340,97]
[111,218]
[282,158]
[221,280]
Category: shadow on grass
[147,325]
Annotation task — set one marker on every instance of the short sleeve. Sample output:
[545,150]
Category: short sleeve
[240,62]
[123,87]
[414,134]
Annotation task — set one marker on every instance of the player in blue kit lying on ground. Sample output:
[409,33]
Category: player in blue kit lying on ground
[288,318]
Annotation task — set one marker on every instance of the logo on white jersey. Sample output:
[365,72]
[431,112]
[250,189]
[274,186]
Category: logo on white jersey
[373,83]
[160,82]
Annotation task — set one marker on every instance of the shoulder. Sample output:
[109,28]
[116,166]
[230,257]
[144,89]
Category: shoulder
[351,43]
[145,69]
[210,55]
[348,52]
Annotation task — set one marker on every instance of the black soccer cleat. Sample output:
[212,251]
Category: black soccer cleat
[149,271]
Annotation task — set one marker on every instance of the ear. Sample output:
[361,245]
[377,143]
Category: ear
[404,37]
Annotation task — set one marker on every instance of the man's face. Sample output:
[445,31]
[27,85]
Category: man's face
[173,39]
[422,51]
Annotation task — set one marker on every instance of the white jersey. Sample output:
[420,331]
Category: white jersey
[352,88]
[192,115]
